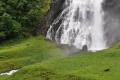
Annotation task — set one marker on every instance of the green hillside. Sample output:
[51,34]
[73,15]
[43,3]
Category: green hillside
[39,59]
[15,54]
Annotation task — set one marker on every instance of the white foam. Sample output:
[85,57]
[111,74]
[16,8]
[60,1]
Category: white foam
[9,73]
[82,24]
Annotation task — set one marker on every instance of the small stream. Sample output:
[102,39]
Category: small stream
[9,73]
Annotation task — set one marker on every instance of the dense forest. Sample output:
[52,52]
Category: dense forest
[19,18]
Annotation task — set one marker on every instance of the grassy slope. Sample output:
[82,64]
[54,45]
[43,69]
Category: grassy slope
[19,53]
[85,66]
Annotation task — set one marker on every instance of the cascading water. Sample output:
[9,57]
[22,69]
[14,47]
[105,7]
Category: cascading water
[79,24]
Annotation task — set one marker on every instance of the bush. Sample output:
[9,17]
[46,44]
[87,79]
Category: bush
[18,18]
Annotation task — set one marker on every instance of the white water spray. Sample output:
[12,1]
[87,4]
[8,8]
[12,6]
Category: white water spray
[79,24]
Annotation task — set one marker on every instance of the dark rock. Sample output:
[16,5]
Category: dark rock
[113,6]
[52,14]
[106,70]
[72,50]
[84,48]
[112,21]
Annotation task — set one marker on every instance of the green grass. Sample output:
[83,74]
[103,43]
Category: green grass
[101,65]
[87,66]
[3,77]
[15,54]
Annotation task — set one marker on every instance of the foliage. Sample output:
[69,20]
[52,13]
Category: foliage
[19,18]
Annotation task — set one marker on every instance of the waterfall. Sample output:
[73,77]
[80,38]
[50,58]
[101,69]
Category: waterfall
[80,23]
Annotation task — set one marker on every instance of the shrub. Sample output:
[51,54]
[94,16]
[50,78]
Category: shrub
[18,18]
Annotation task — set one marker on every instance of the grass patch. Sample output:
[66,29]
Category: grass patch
[101,65]
[15,54]
[39,59]
[3,77]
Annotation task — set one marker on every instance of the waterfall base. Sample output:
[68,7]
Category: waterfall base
[80,23]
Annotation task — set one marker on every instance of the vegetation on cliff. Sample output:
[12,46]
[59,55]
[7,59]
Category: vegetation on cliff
[18,18]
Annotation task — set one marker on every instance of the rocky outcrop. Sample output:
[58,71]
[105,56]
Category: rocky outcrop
[112,20]
[113,6]
[55,10]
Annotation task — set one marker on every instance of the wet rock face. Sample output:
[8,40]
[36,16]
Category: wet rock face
[112,6]
[112,21]
[84,48]
[55,10]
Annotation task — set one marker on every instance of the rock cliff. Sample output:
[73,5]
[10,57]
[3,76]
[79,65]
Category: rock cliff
[112,20]
[55,10]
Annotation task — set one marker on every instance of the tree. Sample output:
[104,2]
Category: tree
[18,18]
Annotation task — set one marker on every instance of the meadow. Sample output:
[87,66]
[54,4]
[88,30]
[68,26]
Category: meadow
[38,58]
